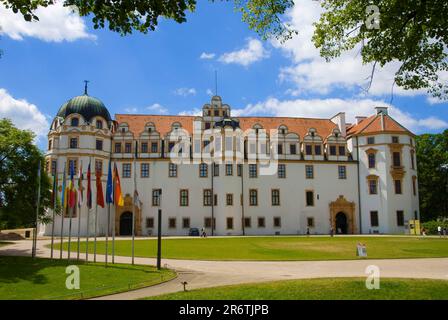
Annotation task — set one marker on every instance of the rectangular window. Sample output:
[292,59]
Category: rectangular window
[208,222]
[400,218]
[412,160]
[332,150]
[396,158]
[277,222]
[253,171]
[144,170]
[342,150]
[292,148]
[154,147]
[370,140]
[280,148]
[126,170]
[309,198]
[156,197]
[49,144]
[207,197]
[99,145]
[172,170]
[372,160]
[281,171]
[149,223]
[275,197]
[216,170]
[309,171]
[414,186]
[342,171]
[229,199]
[373,186]
[247,222]
[374,219]
[99,166]
[99,124]
[253,197]
[183,194]
[395,139]
[229,169]
[117,147]
[72,163]
[203,170]
[128,147]
[215,199]
[239,170]
[310,222]
[317,149]
[54,164]
[308,150]
[186,223]
[229,223]
[397,184]
[73,143]
[172,223]
[144,147]
[261,222]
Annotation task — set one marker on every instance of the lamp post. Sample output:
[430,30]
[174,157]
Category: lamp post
[159,232]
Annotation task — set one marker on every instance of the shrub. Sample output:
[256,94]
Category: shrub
[431,226]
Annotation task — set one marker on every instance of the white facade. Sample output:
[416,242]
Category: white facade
[324,186]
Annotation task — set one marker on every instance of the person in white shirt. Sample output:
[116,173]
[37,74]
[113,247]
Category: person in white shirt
[439,230]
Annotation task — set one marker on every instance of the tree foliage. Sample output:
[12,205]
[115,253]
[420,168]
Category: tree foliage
[412,32]
[432,157]
[125,16]
[19,159]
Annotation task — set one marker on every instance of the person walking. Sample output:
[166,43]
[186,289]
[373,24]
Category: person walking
[308,232]
[331,232]
[439,230]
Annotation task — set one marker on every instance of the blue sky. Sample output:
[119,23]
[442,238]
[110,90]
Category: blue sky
[171,70]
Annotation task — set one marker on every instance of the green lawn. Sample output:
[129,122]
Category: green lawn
[280,248]
[24,278]
[321,289]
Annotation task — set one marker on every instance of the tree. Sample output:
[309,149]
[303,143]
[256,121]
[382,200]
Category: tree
[432,157]
[125,16]
[412,32]
[19,159]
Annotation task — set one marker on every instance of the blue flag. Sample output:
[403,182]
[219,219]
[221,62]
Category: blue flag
[63,196]
[109,186]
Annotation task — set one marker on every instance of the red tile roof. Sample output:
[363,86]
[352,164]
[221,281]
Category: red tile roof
[164,123]
[373,124]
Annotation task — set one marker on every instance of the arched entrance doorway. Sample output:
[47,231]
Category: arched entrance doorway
[341,223]
[126,224]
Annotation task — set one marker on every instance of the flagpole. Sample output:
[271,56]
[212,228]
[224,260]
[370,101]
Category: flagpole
[55,195]
[33,251]
[70,210]
[108,230]
[134,202]
[63,209]
[80,200]
[89,199]
[96,231]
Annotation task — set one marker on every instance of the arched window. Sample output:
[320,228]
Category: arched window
[75,122]
[99,124]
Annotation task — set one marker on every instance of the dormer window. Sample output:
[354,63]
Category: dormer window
[75,122]
[123,130]
[216,113]
[99,124]
[313,133]
[149,129]
[395,139]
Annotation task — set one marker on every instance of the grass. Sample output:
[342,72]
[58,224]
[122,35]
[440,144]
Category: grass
[26,279]
[280,248]
[321,289]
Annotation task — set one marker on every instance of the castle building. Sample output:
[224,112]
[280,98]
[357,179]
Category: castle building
[327,174]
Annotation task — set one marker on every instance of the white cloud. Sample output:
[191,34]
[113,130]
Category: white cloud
[56,23]
[193,112]
[326,108]
[252,52]
[210,92]
[157,108]
[309,72]
[207,56]
[185,92]
[131,110]
[23,114]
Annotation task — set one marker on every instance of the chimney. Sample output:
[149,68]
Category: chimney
[359,119]
[339,119]
[381,110]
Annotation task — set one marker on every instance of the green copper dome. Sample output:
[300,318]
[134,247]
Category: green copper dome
[86,106]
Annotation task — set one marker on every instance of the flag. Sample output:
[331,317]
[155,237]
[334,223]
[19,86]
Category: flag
[109,186]
[63,192]
[99,189]
[137,202]
[119,201]
[54,193]
[89,188]
[71,188]
[80,188]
